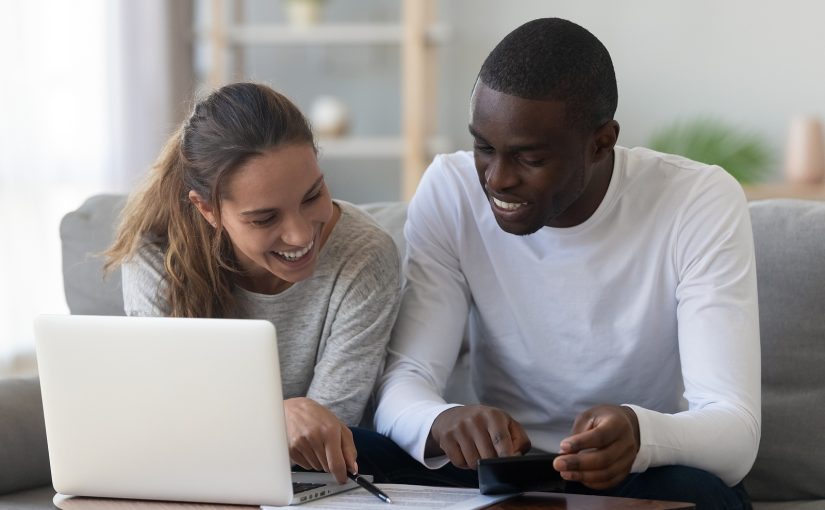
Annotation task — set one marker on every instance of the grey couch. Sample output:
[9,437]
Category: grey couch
[790,249]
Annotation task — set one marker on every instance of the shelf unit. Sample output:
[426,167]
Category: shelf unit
[417,37]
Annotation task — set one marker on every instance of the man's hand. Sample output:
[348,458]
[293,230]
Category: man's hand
[318,440]
[602,447]
[469,433]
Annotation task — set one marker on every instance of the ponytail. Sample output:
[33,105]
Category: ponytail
[197,257]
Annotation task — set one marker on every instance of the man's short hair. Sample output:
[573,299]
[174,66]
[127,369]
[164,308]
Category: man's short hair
[555,59]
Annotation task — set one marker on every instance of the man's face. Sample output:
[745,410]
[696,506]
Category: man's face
[534,167]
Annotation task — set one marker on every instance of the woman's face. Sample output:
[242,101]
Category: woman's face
[274,210]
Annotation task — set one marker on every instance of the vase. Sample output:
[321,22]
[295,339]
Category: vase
[805,153]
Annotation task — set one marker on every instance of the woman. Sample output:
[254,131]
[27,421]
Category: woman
[235,221]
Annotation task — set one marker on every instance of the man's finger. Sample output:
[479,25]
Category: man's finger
[599,436]
[469,451]
[453,452]
[518,437]
[484,443]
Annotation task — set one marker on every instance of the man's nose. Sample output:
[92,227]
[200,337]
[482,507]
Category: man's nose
[500,175]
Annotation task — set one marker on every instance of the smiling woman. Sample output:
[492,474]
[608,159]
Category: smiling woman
[235,220]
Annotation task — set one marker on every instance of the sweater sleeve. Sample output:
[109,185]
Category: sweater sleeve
[428,333]
[353,354]
[144,283]
[718,328]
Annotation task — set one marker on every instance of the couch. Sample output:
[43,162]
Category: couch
[789,472]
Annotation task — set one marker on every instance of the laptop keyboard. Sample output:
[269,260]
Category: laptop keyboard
[304,486]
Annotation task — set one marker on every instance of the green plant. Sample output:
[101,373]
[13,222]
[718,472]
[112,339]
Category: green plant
[744,154]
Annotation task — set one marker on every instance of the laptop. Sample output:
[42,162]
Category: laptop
[168,409]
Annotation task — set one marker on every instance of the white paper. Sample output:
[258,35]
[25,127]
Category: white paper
[403,496]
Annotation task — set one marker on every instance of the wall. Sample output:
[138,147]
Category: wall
[752,64]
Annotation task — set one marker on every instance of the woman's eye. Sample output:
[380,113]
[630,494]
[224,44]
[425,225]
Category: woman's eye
[313,197]
[263,222]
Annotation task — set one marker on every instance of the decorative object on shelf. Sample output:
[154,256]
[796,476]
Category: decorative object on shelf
[329,116]
[743,154]
[303,13]
[805,153]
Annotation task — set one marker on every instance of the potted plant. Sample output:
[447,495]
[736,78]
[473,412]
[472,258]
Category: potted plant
[743,154]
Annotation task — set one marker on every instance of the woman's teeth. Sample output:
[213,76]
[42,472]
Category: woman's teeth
[295,255]
[507,205]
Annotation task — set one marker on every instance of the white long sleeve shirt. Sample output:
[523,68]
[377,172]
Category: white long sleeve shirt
[650,299]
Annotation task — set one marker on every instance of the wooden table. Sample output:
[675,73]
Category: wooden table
[548,501]
[529,501]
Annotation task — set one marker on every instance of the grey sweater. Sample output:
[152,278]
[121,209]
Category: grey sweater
[332,328]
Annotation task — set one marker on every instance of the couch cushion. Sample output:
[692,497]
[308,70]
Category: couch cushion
[32,499]
[789,238]
[84,234]
[24,457]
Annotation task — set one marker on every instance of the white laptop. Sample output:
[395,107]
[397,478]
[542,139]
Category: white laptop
[168,409]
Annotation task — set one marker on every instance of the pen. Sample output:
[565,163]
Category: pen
[372,489]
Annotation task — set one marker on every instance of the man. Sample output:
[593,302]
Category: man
[598,285]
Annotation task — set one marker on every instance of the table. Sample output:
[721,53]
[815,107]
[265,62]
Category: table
[529,501]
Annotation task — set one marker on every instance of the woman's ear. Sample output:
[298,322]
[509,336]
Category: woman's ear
[203,207]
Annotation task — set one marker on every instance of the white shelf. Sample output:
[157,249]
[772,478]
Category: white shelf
[327,33]
[373,147]
[320,34]
[367,147]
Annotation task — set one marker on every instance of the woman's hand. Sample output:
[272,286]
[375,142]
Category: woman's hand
[318,440]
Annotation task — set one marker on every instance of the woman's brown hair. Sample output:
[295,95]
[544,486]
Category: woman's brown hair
[227,128]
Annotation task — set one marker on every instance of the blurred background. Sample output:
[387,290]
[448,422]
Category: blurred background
[92,88]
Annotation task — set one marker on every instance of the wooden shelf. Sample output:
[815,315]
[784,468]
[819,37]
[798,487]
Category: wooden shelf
[416,36]
[784,190]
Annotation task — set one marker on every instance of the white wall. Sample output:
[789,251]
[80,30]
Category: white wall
[752,63]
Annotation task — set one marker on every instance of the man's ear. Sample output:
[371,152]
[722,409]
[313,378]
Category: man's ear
[203,207]
[604,139]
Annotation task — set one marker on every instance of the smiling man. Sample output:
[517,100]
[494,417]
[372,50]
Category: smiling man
[597,286]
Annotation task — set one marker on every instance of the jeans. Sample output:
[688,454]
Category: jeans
[388,463]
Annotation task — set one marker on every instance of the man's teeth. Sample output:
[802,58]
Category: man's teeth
[507,205]
[295,255]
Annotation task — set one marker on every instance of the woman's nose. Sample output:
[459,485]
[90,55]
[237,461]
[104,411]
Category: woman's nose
[297,231]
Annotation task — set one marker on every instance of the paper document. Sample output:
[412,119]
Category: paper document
[404,496]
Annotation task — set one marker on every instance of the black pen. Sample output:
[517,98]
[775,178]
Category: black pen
[372,489]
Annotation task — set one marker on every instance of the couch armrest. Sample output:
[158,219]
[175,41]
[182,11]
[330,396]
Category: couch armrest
[24,456]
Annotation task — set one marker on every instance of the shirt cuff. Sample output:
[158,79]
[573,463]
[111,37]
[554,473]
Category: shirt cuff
[643,456]
[420,445]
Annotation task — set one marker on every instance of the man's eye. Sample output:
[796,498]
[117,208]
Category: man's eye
[533,162]
[483,148]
